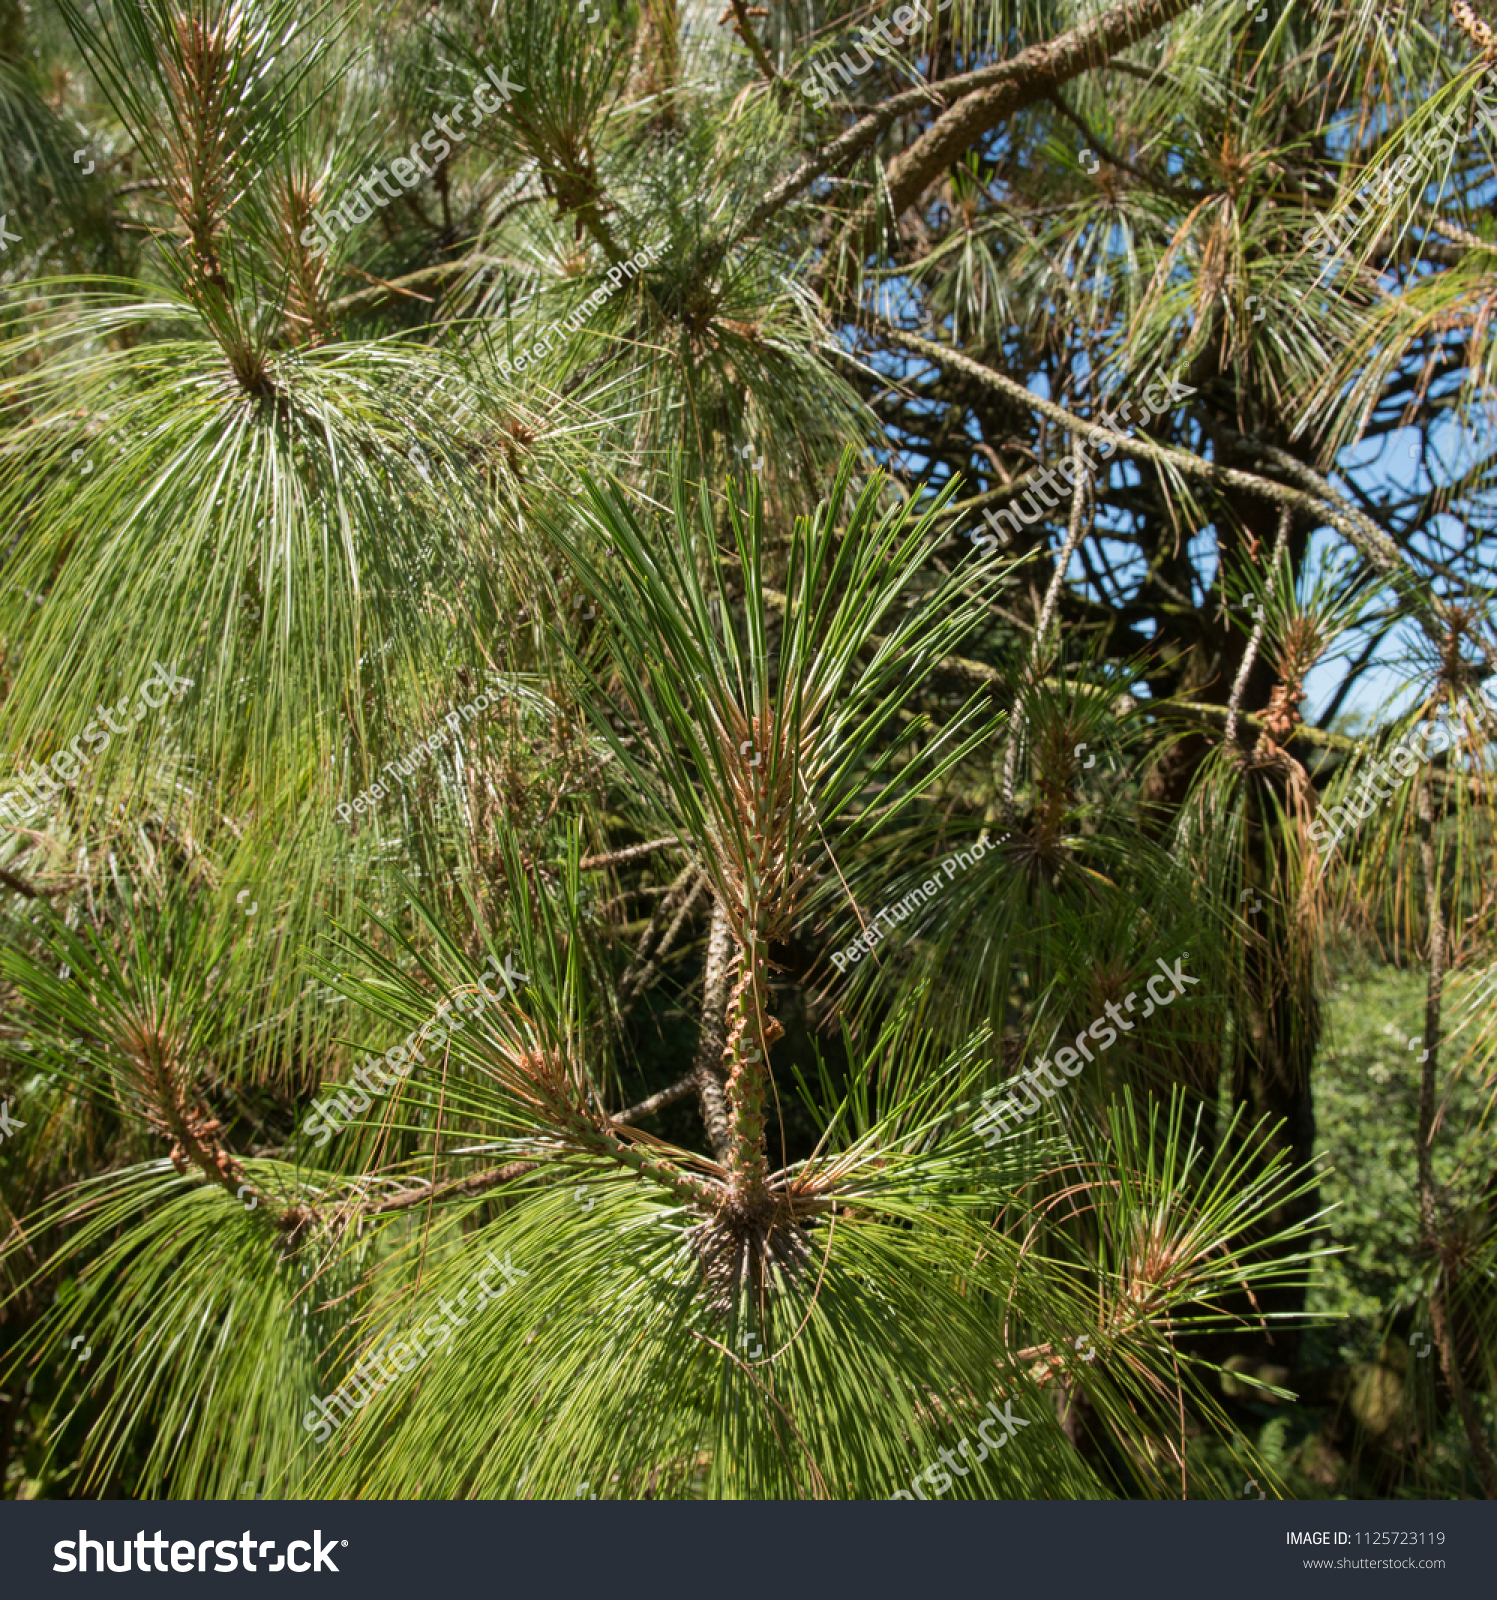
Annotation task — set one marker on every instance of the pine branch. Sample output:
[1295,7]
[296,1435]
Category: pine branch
[633,852]
[480,1183]
[745,31]
[362,299]
[707,1075]
[1026,79]
[949,94]
[1324,505]
[657,1101]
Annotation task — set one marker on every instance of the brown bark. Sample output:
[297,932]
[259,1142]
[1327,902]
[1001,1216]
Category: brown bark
[750,1035]
[479,1183]
[745,31]
[1031,76]
[708,1072]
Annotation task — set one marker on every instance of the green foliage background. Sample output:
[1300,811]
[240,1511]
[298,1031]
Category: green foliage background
[718,560]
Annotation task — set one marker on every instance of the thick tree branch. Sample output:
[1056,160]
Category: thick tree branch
[1380,552]
[1324,504]
[633,852]
[1029,77]
[658,1101]
[708,1076]
[477,1184]
[365,299]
